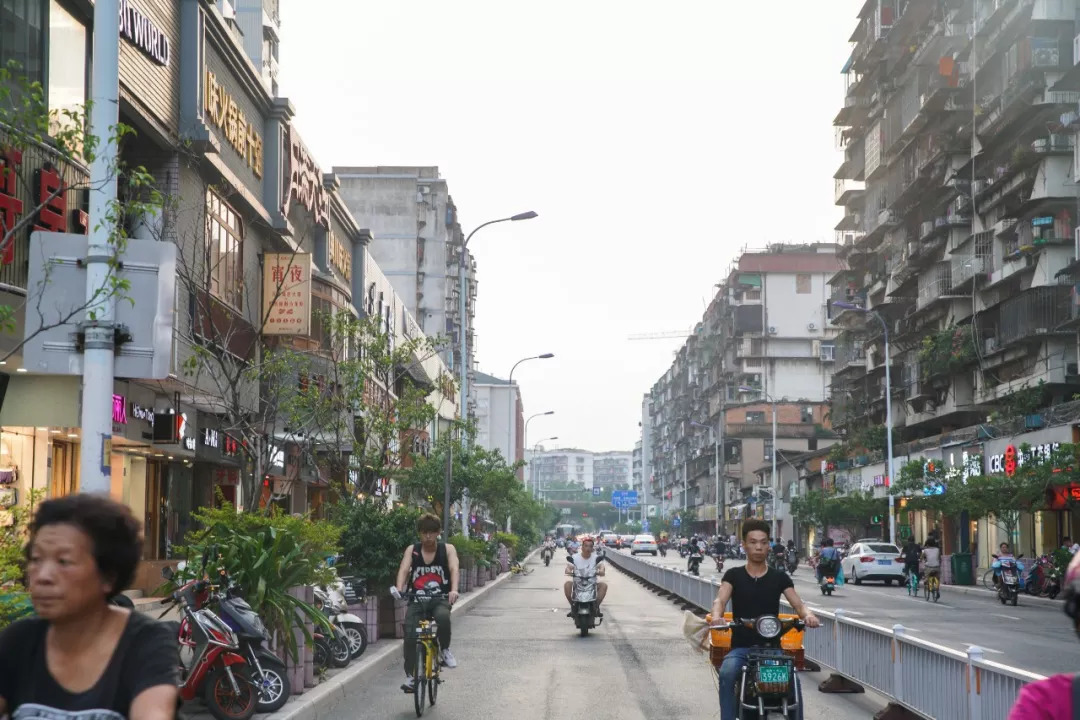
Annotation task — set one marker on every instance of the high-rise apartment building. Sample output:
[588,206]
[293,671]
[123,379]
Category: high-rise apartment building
[417,242]
[958,183]
[764,336]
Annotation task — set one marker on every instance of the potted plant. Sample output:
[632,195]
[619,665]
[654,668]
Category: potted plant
[373,538]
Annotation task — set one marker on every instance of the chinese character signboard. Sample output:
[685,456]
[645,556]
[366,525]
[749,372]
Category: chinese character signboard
[287,293]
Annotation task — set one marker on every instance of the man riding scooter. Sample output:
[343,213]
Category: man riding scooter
[548,552]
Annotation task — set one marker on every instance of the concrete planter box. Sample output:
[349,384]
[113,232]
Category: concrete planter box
[481,577]
[472,578]
[368,612]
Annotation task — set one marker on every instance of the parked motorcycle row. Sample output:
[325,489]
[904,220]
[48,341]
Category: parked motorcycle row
[224,645]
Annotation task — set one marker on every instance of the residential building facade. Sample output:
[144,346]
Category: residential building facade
[500,422]
[958,184]
[764,336]
[417,241]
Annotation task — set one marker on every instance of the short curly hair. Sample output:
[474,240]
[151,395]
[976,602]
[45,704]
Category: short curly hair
[114,532]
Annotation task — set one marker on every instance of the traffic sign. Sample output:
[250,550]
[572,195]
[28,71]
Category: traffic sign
[630,498]
[596,491]
[618,499]
[644,526]
[676,521]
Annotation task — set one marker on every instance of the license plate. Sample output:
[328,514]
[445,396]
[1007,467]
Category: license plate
[773,673]
[884,562]
[584,611]
[1010,579]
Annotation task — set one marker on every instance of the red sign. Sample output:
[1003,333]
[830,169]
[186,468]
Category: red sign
[1010,460]
[10,206]
[49,195]
[1060,497]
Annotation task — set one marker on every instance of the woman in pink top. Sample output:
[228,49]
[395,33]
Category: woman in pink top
[1057,697]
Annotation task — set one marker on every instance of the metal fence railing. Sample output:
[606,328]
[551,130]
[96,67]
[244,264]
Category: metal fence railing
[929,679]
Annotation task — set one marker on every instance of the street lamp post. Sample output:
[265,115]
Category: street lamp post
[888,408]
[536,450]
[773,482]
[463,344]
[510,407]
[549,412]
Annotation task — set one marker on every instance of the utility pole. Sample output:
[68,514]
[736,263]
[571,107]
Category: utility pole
[98,328]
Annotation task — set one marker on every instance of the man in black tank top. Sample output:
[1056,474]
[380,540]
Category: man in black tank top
[428,561]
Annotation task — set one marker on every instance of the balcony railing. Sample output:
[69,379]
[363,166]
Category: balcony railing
[848,190]
[1036,312]
[783,430]
[850,352]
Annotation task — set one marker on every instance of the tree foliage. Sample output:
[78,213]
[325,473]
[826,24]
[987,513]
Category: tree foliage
[825,509]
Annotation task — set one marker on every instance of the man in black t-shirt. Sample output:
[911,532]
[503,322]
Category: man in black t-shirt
[753,589]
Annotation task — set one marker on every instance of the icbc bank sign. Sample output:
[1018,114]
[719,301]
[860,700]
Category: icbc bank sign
[1014,457]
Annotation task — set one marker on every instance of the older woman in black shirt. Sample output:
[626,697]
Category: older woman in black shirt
[83,656]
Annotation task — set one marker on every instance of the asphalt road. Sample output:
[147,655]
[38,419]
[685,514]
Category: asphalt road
[520,657]
[1034,636]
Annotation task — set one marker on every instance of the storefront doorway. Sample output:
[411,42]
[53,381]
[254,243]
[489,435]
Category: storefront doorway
[64,469]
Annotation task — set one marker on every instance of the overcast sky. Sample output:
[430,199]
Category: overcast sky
[655,140]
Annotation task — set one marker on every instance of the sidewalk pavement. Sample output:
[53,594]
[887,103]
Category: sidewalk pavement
[319,700]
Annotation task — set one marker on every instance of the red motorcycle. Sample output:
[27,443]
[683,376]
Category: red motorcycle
[216,669]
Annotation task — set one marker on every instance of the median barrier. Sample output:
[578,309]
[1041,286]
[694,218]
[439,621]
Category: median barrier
[928,679]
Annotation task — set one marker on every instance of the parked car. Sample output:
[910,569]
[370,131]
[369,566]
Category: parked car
[873,561]
[643,544]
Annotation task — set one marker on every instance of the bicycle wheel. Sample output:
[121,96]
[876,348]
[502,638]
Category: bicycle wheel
[988,579]
[433,681]
[420,676]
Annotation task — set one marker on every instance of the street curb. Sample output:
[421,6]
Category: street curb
[335,689]
[972,590]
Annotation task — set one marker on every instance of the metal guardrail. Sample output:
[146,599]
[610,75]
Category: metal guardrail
[926,678]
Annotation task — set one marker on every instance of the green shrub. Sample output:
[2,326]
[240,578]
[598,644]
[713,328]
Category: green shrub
[264,555]
[14,599]
[373,539]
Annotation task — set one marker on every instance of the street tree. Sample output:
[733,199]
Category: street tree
[41,200]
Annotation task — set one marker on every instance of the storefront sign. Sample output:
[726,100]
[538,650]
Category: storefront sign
[221,109]
[231,446]
[1062,496]
[138,29]
[119,410]
[340,257]
[1014,457]
[142,413]
[50,196]
[287,293]
[305,181]
[1043,221]
[211,437]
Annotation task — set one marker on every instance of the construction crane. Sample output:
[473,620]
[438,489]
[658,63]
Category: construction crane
[662,335]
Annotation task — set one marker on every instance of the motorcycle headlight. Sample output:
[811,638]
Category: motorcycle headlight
[768,626]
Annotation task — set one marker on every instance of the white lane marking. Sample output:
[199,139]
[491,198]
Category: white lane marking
[1007,617]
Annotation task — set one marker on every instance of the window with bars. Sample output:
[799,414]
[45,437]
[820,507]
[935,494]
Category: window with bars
[224,251]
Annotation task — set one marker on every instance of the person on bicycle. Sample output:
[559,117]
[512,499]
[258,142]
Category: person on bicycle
[82,656]
[931,556]
[423,562]
[912,554]
[754,589]
[585,562]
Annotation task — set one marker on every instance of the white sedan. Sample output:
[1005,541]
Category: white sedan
[873,561]
[643,544]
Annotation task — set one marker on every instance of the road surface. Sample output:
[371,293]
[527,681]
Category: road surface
[520,657]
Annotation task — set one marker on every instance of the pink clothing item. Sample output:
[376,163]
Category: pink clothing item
[1049,699]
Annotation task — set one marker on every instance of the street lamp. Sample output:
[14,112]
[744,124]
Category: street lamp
[888,407]
[510,403]
[549,412]
[536,450]
[716,449]
[773,483]
[462,320]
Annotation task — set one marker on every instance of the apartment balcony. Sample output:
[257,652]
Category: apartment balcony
[849,354]
[854,112]
[1035,313]
[1030,376]
[934,284]
[977,262]
[848,192]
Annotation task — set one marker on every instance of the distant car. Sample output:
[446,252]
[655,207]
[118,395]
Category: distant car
[873,560]
[626,540]
[611,540]
[643,544]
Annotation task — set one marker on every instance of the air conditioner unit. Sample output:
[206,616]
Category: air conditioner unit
[772,329]
[811,326]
